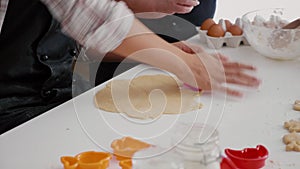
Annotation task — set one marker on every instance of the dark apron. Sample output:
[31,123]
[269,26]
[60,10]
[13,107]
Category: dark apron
[35,63]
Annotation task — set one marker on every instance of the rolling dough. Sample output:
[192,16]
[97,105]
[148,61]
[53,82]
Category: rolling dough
[149,96]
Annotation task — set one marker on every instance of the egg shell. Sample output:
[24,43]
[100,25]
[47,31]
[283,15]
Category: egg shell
[207,24]
[235,30]
[216,30]
[228,24]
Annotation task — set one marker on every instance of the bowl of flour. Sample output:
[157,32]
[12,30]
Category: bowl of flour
[265,32]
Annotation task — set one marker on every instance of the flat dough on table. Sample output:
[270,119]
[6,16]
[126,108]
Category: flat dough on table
[147,96]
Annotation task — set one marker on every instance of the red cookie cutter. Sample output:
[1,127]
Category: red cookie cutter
[248,158]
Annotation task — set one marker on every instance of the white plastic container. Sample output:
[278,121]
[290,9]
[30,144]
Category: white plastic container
[196,146]
[200,147]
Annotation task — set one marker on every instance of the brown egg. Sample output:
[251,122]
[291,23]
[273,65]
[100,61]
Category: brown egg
[228,24]
[235,30]
[207,24]
[216,30]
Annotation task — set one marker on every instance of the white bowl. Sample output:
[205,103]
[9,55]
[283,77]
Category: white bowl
[262,29]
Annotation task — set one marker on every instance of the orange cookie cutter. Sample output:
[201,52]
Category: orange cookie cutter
[125,147]
[126,164]
[87,160]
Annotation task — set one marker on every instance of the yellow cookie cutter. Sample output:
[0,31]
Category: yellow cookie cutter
[87,160]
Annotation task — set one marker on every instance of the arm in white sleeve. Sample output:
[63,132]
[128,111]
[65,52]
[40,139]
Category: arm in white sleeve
[99,24]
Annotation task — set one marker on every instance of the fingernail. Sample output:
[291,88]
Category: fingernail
[197,2]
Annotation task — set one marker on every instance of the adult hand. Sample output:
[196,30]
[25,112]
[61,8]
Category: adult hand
[162,6]
[175,6]
[211,72]
[208,72]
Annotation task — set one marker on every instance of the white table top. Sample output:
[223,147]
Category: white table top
[77,126]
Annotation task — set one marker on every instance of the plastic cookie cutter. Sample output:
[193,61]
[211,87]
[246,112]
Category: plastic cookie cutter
[126,164]
[248,158]
[125,147]
[87,160]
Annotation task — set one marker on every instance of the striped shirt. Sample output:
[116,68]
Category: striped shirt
[100,24]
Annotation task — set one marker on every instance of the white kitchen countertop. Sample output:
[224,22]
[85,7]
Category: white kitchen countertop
[77,126]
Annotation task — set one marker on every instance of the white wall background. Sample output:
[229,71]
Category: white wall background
[231,9]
